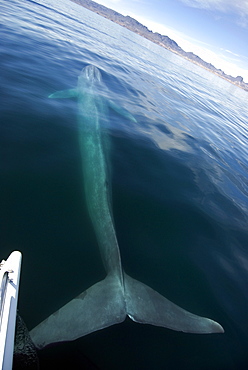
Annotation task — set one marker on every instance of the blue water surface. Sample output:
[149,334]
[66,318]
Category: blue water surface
[179,184]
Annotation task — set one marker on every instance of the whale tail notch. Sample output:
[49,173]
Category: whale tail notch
[107,303]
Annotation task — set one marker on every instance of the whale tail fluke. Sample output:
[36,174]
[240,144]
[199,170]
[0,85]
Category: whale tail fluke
[146,306]
[107,303]
[96,308]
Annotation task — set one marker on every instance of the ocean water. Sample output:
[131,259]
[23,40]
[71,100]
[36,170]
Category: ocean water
[179,184]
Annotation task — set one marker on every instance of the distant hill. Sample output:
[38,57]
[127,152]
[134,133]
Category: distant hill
[164,41]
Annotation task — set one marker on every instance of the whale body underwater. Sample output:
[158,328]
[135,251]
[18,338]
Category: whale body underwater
[111,300]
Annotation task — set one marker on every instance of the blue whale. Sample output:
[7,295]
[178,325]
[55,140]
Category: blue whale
[111,300]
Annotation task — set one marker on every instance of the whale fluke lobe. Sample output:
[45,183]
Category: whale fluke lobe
[96,308]
[109,301]
[146,306]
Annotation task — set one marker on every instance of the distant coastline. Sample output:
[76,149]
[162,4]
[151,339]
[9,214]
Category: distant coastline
[164,41]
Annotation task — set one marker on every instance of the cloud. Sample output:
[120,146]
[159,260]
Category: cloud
[239,7]
[203,4]
[230,52]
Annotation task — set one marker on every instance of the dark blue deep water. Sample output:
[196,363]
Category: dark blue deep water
[179,183]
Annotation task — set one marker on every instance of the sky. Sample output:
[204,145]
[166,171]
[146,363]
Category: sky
[215,30]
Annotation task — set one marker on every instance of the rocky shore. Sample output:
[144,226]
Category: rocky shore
[164,41]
